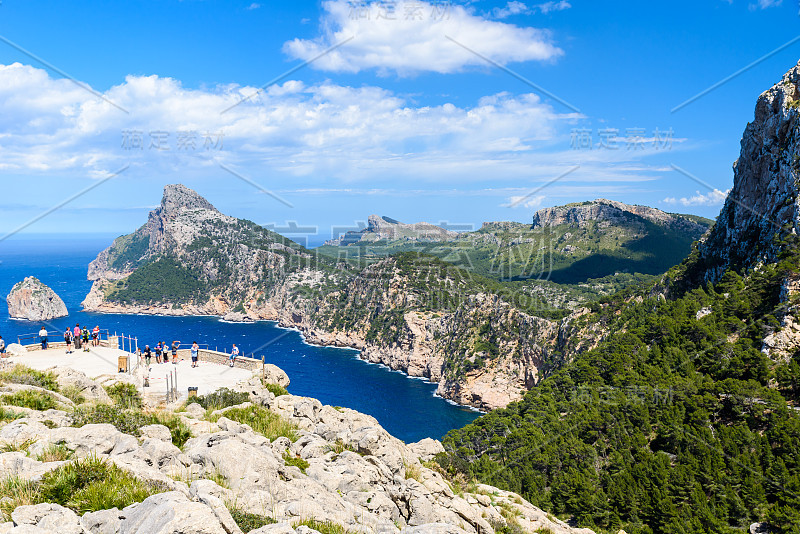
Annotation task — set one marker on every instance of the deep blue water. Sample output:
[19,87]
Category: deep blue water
[406,407]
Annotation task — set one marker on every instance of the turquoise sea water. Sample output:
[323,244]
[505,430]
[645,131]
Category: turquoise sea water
[406,407]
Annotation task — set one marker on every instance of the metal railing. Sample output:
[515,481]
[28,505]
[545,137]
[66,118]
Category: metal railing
[53,336]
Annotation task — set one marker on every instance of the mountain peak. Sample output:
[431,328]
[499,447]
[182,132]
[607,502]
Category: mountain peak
[178,196]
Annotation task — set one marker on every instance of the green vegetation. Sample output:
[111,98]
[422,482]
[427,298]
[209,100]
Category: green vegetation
[276,389]
[247,521]
[127,251]
[669,425]
[163,280]
[19,374]
[219,399]
[323,527]
[125,396]
[54,453]
[296,461]
[74,394]
[86,485]
[27,398]
[262,421]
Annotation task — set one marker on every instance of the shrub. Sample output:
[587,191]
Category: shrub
[222,398]
[73,393]
[19,374]
[266,423]
[93,484]
[296,461]
[86,485]
[276,390]
[17,446]
[125,395]
[27,398]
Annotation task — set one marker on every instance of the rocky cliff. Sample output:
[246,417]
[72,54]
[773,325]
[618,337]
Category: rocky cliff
[34,301]
[385,228]
[312,467]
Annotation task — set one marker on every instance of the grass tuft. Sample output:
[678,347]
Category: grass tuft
[323,527]
[222,398]
[296,461]
[74,394]
[54,453]
[130,421]
[248,521]
[26,398]
[125,395]
[276,390]
[268,424]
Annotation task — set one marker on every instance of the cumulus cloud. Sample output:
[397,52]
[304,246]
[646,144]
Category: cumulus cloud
[765,4]
[52,124]
[547,7]
[712,198]
[412,37]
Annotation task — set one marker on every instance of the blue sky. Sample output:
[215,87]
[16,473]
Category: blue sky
[440,111]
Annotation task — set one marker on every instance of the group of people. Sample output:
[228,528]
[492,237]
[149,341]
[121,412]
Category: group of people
[162,353]
[77,337]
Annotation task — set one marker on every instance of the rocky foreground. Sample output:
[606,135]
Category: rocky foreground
[34,301]
[335,469]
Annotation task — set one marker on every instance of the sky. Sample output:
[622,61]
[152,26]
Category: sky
[309,116]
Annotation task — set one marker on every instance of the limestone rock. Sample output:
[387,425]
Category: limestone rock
[15,349]
[427,448]
[34,301]
[170,513]
[91,390]
[275,375]
[49,517]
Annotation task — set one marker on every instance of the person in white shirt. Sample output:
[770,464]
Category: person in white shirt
[43,337]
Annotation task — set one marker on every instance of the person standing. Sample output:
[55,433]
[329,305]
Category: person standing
[147,355]
[175,345]
[2,345]
[195,353]
[234,354]
[158,352]
[43,337]
[76,336]
[85,341]
[96,335]
[68,339]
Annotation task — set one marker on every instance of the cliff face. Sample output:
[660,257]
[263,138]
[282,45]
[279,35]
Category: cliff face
[34,301]
[763,202]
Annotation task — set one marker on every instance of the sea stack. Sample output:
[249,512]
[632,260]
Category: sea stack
[34,301]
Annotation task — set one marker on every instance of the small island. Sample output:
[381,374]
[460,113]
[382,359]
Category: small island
[34,301]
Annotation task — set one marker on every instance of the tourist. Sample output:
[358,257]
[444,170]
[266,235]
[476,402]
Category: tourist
[2,345]
[147,355]
[195,351]
[76,336]
[175,345]
[234,354]
[68,339]
[85,340]
[96,336]
[158,352]
[43,337]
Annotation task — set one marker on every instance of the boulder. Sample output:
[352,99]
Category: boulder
[15,349]
[275,375]
[426,449]
[156,431]
[48,517]
[170,513]
[34,301]
[195,410]
[103,521]
[91,390]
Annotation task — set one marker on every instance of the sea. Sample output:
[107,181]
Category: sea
[407,407]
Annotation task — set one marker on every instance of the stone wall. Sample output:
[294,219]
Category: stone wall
[221,358]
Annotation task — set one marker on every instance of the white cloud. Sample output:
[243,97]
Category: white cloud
[765,4]
[547,7]
[407,41]
[712,198]
[523,201]
[512,8]
[253,6]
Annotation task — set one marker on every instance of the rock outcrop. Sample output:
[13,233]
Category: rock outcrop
[384,228]
[34,301]
[354,474]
